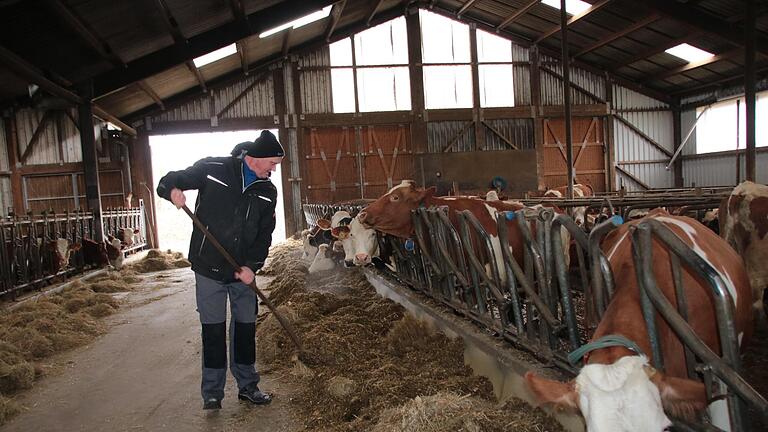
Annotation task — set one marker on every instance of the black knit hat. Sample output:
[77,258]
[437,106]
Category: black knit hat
[266,145]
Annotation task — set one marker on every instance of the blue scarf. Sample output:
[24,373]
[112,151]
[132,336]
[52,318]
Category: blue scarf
[249,177]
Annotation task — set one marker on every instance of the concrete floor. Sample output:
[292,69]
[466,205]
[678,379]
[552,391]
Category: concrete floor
[144,375]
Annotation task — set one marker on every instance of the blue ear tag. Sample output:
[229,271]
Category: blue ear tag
[409,245]
[617,220]
[510,215]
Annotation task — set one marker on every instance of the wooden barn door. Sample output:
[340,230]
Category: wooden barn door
[331,164]
[348,163]
[589,152]
[387,158]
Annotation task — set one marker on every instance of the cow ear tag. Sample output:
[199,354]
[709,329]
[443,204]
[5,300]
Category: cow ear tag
[510,215]
[617,220]
[409,245]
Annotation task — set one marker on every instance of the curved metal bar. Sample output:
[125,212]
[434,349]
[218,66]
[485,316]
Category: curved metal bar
[727,369]
[602,276]
[471,219]
[416,215]
[454,236]
[562,275]
[512,276]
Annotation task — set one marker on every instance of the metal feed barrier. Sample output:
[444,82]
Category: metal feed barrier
[25,261]
[533,304]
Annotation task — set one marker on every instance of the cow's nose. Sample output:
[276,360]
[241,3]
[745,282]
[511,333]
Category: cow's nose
[348,263]
[362,258]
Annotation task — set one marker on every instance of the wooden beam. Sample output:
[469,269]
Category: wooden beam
[703,21]
[170,22]
[465,7]
[226,34]
[653,50]
[146,88]
[642,134]
[30,73]
[373,12]
[236,7]
[722,81]
[632,177]
[522,11]
[695,65]
[196,72]
[47,117]
[594,8]
[242,51]
[500,135]
[336,11]
[85,32]
[11,137]
[100,113]
[287,42]
[617,35]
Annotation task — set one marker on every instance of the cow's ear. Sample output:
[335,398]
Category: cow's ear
[324,224]
[340,232]
[427,193]
[560,394]
[681,397]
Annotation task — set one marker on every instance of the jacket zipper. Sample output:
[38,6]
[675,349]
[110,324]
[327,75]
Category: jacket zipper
[202,243]
[248,212]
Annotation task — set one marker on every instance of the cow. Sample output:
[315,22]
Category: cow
[320,234]
[62,251]
[115,252]
[492,195]
[579,191]
[128,236]
[322,261]
[94,253]
[744,225]
[617,389]
[391,214]
[359,242]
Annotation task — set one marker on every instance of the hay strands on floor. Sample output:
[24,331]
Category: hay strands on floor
[285,324]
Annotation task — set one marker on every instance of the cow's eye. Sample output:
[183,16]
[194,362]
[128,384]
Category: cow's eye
[394,198]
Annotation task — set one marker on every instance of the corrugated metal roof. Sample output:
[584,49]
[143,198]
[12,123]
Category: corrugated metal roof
[136,33]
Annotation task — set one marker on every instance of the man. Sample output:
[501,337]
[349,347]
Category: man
[236,202]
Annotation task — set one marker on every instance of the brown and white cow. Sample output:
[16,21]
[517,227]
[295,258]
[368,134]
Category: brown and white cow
[391,214]
[579,191]
[617,390]
[128,236]
[62,252]
[358,242]
[744,225]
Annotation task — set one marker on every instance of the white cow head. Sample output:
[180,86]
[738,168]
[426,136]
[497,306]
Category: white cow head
[624,396]
[359,242]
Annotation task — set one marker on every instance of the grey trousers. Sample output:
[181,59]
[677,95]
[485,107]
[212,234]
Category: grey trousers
[211,298]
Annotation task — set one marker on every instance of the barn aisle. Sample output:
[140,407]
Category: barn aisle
[144,375]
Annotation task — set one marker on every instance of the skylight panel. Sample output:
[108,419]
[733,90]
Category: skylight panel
[306,19]
[689,53]
[215,55]
[573,7]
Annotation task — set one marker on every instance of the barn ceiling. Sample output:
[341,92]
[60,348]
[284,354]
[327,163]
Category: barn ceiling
[137,55]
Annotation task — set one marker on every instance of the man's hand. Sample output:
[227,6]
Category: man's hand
[245,274]
[178,198]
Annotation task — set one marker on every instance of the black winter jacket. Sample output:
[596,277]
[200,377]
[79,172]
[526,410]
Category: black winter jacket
[242,219]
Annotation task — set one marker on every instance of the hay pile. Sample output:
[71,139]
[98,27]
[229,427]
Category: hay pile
[53,324]
[157,260]
[366,362]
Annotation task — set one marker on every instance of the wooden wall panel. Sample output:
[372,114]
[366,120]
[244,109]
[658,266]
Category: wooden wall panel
[332,171]
[589,152]
[387,158]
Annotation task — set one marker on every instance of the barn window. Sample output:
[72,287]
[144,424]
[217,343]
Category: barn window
[572,7]
[379,66]
[446,57]
[494,57]
[716,130]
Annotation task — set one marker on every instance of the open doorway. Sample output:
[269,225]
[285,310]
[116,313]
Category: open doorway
[177,152]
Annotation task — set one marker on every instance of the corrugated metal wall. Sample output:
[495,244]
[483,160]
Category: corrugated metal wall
[257,101]
[6,199]
[316,95]
[440,134]
[198,109]
[293,151]
[521,75]
[4,166]
[517,131]
[720,170]
[552,86]
[630,146]
[46,151]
